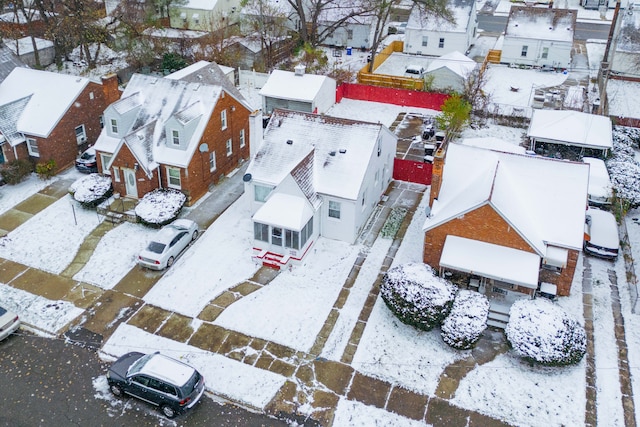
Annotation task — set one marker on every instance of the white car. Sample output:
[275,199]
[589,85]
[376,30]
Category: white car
[9,323]
[601,234]
[168,244]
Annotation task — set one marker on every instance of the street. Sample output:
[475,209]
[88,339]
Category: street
[46,381]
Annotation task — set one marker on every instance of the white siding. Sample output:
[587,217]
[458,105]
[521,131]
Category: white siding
[326,97]
[559,52]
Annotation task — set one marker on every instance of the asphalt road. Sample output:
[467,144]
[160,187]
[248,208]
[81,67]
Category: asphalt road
[48,382]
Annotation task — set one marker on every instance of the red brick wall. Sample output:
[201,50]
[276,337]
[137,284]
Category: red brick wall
[126,160]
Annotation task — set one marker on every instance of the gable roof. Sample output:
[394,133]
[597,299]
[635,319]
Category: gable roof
[572,127]
[286,85]
[8,61]
[340,150]
[541,23]
[454,61]
[542,199]
[50,97]
[422,20]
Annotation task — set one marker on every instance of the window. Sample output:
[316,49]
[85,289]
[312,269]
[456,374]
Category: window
[306,233]
[114,126]
[545,52]
[291,239]
[261,232]
[81,136]
[349,34]
[175,137]
[524,51]
[116,174]
[196,18]
[425,40]
[223,119]
[276,236]
[91,95]
[241,138]
[173,177]
[32,147]
[229,147]
[212,161]
[441,43]
[105,159]
[260,192]
[101,122]
[334,209]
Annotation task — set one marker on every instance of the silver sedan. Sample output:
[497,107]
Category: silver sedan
[168,244]
[9,323]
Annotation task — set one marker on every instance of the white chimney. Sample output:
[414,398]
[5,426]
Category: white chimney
[299,70]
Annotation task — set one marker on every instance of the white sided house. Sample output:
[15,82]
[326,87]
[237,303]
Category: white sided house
[204,15]
[539,37]
[450,72]
[433,36]
[315,176]
[298,91]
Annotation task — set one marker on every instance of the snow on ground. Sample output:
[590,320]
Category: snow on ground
[630,303]
[501,79]
[49,241]
[229,378]
[356,414]
[11,195]
[374,112]
[292,309]
[218,260]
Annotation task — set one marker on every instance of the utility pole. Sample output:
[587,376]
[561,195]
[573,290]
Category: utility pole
[603,76]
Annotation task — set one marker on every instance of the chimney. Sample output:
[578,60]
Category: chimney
[110,88]
[436,173]
[299,70]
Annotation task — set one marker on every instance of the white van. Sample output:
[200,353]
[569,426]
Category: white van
[600,190]
[601,234]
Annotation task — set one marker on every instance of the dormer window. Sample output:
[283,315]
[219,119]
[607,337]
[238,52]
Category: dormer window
[175,137]
[114,126]
[223,119]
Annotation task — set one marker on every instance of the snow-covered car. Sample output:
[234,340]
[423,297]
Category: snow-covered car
[9,323]
[600,190]
[167,244]
[86,162]
[169,384]
[601,234]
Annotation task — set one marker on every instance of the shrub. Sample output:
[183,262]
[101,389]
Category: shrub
[467,320]
[16,171]
[46,170]
[543,332]
[159,207]
[91,190]
[417,296]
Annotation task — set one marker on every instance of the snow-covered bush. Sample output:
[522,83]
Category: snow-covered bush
[467,320]
[541,331]
[417,296]
[160,207]
[91,190]
[624,169]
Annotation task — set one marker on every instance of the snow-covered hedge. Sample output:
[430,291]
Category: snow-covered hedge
[467,320]
[542,331]
[160,207]
[91,190]
[417,296]
[623,167]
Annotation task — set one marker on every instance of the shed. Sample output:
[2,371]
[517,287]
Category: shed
[298,91]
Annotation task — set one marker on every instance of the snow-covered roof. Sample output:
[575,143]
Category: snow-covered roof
[8,61]
[341,151]
[571,128]
[456,62]
[287,85]
[198,4]
[541,23]
[25,45]
[492,261]
[51,96]
[271,8]
[496,144]
[542,199]
[599,181]
[419,19]
[284,210]
[624,98]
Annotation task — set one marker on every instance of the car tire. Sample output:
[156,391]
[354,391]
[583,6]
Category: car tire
[168,411]
[170,262]
[194,236]
[116,390]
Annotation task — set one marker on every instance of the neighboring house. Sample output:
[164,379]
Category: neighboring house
[450,71]
[539,37]
[23,48]
[504,223]
[204,15]
[429,35]
[577,134]
[298,91]
[249,53]
[315,176]
[50,116]
[183,134]
[356,31]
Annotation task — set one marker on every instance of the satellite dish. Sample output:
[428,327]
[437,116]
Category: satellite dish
[247,177]
[204,147]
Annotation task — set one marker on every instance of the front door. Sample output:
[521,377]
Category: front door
[130,182]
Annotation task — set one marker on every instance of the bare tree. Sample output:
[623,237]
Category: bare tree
[473,91]
[268,23]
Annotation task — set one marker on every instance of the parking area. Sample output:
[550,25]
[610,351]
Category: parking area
[410,129]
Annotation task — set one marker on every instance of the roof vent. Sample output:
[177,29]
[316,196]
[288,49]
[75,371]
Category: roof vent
[332,153]
[551,28]
[343,150]
[289,141]
[299,70]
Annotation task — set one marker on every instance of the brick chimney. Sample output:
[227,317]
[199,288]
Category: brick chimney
[436,173]
[110,88]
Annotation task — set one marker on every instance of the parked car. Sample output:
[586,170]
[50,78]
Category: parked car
[87,162]
[167,383]
[414,71]
[601,234]
[9,323]
[167,244]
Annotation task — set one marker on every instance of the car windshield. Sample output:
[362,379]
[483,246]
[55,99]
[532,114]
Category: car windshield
[2,311]
[86,156]
[156,247]
[138,364]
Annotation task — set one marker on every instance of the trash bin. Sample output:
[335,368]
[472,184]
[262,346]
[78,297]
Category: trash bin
[349,49]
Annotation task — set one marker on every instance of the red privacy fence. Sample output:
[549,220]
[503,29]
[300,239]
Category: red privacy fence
[412,171]
[388,95]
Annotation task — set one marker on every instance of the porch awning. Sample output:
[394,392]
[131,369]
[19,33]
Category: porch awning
[492,261]
[284,210]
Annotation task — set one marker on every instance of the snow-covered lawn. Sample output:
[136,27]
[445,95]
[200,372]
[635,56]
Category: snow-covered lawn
[11,195]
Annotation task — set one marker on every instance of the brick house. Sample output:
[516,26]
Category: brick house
[505,224]
[49,116]
[184,133]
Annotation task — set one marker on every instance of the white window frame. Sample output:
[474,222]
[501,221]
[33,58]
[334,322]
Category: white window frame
[32,147]
[545,52]
[116,174]
[114,126]
[242,138]
[229,147]
[441,43]
[261,192]
[81,134]
[171,184]
[334,209]
[425,41]
[524,51]
[223,119]
[105,159]
[175,136]
[212,161]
